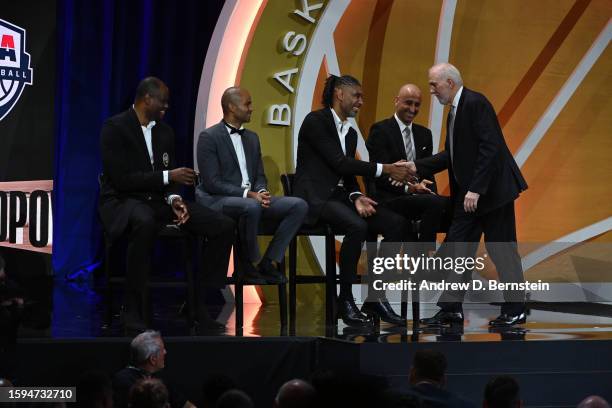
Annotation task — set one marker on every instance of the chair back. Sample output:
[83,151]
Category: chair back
[287,182]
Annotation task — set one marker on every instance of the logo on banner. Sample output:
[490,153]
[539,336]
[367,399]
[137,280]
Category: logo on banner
[15,70]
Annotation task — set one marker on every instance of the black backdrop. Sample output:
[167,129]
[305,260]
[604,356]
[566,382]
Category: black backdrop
[104,49]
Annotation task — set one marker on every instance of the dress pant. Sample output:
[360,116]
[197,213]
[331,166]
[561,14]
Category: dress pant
[432,210]
[145,221]
[462,240]
[285,214]
[340,213]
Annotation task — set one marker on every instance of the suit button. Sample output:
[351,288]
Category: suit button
[149,198]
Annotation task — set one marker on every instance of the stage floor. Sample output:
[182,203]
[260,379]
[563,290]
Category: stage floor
[68,310]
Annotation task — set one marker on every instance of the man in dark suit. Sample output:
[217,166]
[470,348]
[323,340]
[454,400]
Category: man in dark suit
[325,178]
[484,182]
[399,138]
[233,182]
[138,196]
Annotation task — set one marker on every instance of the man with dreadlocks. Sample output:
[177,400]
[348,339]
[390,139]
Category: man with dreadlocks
[325,178]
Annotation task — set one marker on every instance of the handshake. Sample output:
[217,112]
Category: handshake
[401,172]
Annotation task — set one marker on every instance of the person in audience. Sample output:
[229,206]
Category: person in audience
[502,392]
[94,390]
[148,355]
[213,387]
[593,401]
[148,393]
[295,393]
[235,399]
[428,381]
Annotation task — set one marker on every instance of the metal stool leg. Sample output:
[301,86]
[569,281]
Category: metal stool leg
[292,285]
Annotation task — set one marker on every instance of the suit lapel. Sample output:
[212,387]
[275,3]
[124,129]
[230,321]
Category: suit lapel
[248,155]
[139,140]
[227,140]
[332,126]
[396,136]
[419,141]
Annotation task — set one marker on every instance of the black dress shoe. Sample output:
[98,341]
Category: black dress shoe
[350,314]
[382,310]
[270,273]
[249,275]
[443,317]
[505,319]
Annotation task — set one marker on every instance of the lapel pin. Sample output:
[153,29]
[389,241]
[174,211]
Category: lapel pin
[166,159]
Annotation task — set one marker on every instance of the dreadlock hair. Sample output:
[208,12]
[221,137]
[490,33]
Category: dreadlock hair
[332,82]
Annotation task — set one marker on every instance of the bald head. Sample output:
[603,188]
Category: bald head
[237,106]
[593,401]
[296,394]
[408,103]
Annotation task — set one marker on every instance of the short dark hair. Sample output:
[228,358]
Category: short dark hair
[150,85]
[429,365]
[502,392]
[235,399]
[332,82]
[148,393]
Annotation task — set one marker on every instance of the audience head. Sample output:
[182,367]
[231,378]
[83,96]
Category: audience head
[152,98]
[213,387]
[148,351]
[502,392]
[428,366]
[237,106]
[343,94]
[234,399]
[408,103]
[444,82]
[148,393]
[94,390]
[295,393]
[593,401]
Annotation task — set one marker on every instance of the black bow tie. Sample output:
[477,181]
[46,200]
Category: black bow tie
[234,130]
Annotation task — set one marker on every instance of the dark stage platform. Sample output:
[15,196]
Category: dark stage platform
[561,355]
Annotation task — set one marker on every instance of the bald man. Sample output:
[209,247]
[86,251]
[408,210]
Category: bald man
[233,182]
[398,138]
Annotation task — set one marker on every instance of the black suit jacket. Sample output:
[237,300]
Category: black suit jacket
[128,177]
[482,161]
[321,162]
[386,145]
[219,167]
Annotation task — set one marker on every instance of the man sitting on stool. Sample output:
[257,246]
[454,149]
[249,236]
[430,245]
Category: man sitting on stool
[234,182]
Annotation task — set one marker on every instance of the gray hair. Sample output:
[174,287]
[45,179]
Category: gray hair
[451,72]
[145,345]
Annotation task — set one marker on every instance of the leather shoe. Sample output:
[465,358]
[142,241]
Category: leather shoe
[270,273]
[250,276]
[350,314]
[443,317]
[505,319]
[380,308]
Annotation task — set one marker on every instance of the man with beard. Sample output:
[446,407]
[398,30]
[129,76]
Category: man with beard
[325,178]
[484,182]
[138,197]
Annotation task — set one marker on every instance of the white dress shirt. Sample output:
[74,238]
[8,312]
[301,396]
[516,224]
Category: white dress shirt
[239,149]
[146,131]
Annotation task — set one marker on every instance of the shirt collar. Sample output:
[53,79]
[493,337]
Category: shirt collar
[229,128]
[337,119]
[149,125]
[457,97]
[402,125]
